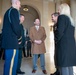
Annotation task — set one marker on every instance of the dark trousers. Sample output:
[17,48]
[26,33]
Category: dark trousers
[2,53]
[55,59]
[28,51]
[24,53]
[19,60]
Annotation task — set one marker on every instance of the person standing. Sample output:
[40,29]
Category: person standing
[21,46]
[65,45]
[54,19]
[38,36]
[11,33]
[28,44]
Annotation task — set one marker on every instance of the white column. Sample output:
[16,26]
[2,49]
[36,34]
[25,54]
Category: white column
[57,3]
[45,24]
[73,12]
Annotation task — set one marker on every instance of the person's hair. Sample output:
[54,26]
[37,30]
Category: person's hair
[65,9]
[55,14]
[22,15]
[13,1]
[36,19]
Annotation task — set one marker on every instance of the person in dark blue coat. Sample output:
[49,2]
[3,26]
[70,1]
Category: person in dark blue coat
[54,20]
[65,43]
[21,46]
[11,33]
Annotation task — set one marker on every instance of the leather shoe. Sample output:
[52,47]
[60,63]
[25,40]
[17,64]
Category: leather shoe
[20,72]
[44,71]
[55,73]
[33,71]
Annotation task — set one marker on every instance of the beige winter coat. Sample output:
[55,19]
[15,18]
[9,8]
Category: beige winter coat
[38,35]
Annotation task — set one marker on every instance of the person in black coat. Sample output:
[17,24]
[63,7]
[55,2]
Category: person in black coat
[11,33]
[28,44]
[54,19]
[2,51]
[65,43]
[21,46]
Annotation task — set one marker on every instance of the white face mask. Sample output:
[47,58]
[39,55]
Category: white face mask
[37,27]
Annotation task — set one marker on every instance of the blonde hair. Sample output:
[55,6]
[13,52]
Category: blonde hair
[65,9]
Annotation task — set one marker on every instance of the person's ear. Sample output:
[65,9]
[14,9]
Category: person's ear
[34,22]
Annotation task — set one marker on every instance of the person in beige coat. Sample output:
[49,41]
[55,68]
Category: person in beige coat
[38,36]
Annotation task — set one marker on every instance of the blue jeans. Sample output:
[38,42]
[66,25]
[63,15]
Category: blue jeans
[42,61]
[11,59]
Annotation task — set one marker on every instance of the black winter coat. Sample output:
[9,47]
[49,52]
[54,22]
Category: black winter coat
[65,47]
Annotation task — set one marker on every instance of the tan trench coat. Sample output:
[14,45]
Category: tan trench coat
[38,35]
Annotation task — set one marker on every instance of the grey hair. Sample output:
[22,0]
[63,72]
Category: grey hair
[55,14]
